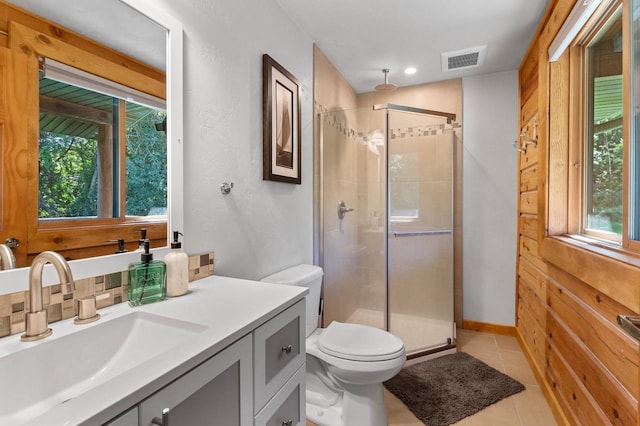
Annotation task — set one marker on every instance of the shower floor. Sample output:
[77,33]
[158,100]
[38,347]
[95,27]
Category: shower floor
[418,333]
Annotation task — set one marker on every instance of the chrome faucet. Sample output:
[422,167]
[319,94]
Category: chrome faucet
[36,326]
[7,259]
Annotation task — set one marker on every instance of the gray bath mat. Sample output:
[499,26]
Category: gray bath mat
[445,390]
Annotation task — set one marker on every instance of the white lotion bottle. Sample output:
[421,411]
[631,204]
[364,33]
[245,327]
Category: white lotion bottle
[177,263]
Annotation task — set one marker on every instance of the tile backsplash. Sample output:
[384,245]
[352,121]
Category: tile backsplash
[109,290]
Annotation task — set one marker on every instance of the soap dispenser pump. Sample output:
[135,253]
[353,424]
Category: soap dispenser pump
[147,279]
[177,268]
[143,237]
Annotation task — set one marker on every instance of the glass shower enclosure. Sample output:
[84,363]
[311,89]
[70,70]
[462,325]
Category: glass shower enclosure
[386,227]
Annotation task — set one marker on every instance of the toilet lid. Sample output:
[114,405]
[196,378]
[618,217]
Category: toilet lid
[359,342]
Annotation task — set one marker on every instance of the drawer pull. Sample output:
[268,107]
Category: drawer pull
[287,349]
[164,421]
[287,423]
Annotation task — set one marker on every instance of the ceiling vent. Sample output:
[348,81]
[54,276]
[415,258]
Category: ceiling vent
[462,59]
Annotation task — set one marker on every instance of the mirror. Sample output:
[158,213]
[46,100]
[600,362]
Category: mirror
[158,37]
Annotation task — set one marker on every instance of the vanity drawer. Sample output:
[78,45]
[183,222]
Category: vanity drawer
[214,393]
[279,346]
[287,406]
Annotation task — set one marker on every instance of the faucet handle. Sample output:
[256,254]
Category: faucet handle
[87,310]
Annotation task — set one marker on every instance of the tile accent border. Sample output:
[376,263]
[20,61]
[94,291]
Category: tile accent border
[109,290]
[342,126]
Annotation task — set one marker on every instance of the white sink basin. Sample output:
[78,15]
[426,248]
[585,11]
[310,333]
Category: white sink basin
[36,379]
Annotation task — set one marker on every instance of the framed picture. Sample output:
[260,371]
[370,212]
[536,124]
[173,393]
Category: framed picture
[281,140]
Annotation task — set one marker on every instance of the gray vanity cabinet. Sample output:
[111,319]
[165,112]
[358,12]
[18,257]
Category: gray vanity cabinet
[257,381]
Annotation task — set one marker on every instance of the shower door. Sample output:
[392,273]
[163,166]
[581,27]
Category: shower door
[420,237]
[387,253]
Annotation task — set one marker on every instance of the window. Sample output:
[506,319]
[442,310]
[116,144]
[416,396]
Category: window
[403,180]
[594,185]
[146,161]
[634,148]
[80,155]
[603,146]
[75,134]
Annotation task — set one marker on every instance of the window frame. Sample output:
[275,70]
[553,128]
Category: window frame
[579,52]
[79,238]
[562,253]
[566,153]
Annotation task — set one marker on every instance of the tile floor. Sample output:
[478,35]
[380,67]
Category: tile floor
[528,408]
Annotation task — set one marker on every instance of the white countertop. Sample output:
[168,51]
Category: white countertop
[229,309]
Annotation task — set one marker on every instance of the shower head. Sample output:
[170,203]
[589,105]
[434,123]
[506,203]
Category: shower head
[386,87]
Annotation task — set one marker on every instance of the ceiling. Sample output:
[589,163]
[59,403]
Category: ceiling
[361,37]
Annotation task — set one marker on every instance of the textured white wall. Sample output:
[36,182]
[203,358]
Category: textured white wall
[489,218]
[261,226]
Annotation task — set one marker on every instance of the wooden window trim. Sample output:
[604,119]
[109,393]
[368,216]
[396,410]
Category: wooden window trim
[77,238]
[612,271]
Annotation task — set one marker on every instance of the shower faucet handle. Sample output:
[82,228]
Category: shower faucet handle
[342,210]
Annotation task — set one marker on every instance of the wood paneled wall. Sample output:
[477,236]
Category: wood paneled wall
[587,366]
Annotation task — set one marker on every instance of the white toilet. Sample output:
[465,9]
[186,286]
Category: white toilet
[346,363]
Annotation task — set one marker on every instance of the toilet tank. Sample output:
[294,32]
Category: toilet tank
[309,276]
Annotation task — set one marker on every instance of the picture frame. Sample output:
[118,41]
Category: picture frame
[281,110]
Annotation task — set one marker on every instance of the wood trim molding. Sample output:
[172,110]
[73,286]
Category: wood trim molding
[611,272]
[32,42]
[507,330]
[561,10]
[85,237]
[13,13]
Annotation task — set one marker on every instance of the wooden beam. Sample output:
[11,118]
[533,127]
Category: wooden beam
[75,111]
[105,171]
[609,125]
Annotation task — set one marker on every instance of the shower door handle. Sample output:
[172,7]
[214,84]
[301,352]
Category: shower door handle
[342,210]
[419,233]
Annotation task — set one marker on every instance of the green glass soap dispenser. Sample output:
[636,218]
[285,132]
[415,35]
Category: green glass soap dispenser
[147,279]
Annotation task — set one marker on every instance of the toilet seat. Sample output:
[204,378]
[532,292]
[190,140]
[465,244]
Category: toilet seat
[358,342]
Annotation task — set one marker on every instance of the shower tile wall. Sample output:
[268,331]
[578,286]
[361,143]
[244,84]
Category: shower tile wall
[340,236]
[372,219]
[333,93]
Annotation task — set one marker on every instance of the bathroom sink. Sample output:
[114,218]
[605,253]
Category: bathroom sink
[37,379]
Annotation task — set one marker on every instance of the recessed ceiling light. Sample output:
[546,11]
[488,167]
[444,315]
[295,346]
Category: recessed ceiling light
[410,70]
